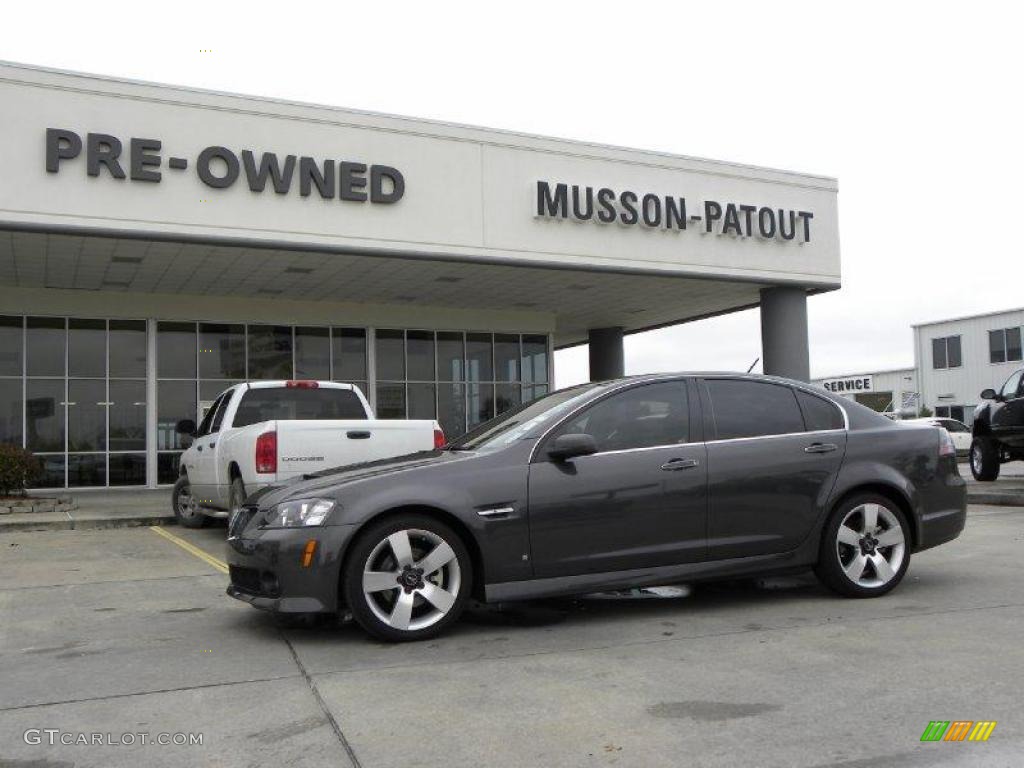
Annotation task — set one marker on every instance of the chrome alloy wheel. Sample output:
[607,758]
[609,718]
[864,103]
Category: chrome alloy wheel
[976,460]
[411,579]
[187,503]
[870,545]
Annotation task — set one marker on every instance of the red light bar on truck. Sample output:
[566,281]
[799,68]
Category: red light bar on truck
[301,384]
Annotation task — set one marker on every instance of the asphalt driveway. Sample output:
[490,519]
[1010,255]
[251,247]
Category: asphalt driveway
[125,631]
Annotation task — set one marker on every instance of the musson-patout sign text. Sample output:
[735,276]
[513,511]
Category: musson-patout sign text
[608,206]
[220,167]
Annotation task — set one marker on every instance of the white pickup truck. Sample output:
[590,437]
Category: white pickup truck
[261,433]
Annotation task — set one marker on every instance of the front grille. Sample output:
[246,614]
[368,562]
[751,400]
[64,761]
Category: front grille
[246,579]
[240,519]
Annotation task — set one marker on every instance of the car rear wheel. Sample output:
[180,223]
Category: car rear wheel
[984,459]
[183,502]
[865,549]
[407,578]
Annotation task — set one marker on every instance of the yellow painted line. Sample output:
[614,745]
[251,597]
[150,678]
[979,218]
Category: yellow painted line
[207,558]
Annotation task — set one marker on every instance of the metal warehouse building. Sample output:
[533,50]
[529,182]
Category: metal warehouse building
[158,244]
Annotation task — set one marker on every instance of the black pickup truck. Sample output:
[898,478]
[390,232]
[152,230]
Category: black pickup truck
[998,433]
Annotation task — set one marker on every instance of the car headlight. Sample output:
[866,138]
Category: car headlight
[298,513]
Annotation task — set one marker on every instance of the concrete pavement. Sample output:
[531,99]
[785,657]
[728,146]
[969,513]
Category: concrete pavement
[114,631]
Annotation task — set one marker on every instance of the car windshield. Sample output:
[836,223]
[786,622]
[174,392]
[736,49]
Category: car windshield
[522,421]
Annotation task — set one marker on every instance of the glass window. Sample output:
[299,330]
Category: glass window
[451,409]
[167,468]
[419,347]
[481,403]
[220,412]
[176,350]
[206,425]
[640,417]
[507,396]
[291,403]
[128,349]
[221,351]
[349,346]
[1010,386]
[44,415]
[11,347]
[270,352]
[535,392]
[997,346]
[87,415]
[312,353]
[87,348]
[127,416]
[53,471]
[953,351]
[175,400]
[45,346]
[89,469]
[421,401]
[10,411]
[210,390]
[535,359]
[939,354]
[390,347]
[479,354]
[744,408]
[953,425]
[506,357]
[128,469]
[1013,345]
[819,413]
[451,354]
[390,401]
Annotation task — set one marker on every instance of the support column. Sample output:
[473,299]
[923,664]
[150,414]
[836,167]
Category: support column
[607,358]
[784,346]
[152,459]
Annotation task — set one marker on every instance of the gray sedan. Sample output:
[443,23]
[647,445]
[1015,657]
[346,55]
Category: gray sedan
[639,481]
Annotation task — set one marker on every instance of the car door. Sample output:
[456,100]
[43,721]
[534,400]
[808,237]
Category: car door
[773,456]
[640,501]
[203,472]
[1008,414]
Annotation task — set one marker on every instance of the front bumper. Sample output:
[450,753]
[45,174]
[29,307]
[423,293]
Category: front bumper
[266,571]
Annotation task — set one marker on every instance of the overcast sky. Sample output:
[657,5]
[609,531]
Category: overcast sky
[915,107]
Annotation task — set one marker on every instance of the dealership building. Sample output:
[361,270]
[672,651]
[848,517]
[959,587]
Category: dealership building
[158,244]
[954,360]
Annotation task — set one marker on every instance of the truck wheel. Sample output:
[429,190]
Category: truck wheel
[865,547]
[236,497]
[407,578]
[984,459]
[184,505]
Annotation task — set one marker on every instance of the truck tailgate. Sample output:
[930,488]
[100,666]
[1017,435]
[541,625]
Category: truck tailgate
[310,446]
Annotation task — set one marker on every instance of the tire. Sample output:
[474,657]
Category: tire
[428,601]
[185,510]
[984,459]
[236,497]
[865,547]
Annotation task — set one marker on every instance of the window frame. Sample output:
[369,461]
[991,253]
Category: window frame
[1004,333]
[944,341]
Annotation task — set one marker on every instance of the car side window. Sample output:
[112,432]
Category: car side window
[641,417]
[1011,387]
[819,414]
[205,424]
[218,417]
[952,425]
[746,408]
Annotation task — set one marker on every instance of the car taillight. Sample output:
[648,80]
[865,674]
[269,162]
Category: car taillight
[266,453]
[439,441]
[294,384]
[946,445]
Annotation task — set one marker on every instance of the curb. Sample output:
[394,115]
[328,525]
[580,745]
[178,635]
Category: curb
[996,499]
[70,524]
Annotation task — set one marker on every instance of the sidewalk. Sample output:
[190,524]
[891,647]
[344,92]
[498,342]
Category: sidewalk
[98,509]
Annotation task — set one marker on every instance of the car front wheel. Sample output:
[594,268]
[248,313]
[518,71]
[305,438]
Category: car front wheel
[407,578]
[186,511]
[984,459]
[865,549]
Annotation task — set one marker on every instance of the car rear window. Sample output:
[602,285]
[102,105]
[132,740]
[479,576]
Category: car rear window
[293,403]
[819,413]
[745,408]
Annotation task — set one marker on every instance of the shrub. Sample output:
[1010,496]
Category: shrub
[18,469]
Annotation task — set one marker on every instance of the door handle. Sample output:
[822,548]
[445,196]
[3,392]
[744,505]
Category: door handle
[820,448]
[673,464]
[358,434]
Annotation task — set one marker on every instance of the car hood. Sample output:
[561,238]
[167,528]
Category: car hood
[319,482]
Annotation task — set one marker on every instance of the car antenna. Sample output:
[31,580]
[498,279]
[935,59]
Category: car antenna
[756,361]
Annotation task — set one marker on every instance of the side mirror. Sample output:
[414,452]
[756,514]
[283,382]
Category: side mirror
[567,447]
[989,394]
[186,427]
